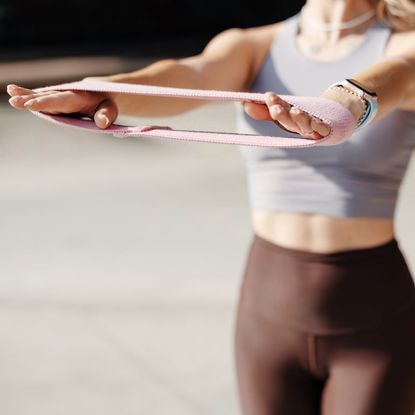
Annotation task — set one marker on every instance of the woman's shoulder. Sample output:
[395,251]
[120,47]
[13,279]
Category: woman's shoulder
[401,43]
[261,39]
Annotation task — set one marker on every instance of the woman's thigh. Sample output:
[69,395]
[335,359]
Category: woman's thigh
[271,368]
[373,372]
[290,300]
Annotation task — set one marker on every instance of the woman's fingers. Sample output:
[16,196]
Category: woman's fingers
[65,102]
[287,116]
[94,105]
[302,120]
[258,112]
[57,101]
[19,101]
[105,114]
[54,101]
[13,90]
[283,116]
[20,95]
[305,123]
[280,111]
[320,127]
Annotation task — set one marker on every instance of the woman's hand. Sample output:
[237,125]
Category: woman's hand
[287,117]
[98,106]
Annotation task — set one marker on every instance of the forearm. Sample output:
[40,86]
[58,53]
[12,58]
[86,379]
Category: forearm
[225,63]
[393,81]
[168,72]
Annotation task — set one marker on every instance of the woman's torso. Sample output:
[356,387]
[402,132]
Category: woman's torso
[311,231]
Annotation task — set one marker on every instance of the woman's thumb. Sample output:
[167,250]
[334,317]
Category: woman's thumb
[257,111]
[105,114]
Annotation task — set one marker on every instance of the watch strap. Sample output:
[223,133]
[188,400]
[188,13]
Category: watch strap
[369,99]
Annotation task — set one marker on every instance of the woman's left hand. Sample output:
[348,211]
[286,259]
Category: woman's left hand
[288,117]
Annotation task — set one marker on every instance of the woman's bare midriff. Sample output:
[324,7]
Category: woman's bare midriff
[321,233]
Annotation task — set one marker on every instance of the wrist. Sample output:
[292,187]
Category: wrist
[368,98]
[355,104]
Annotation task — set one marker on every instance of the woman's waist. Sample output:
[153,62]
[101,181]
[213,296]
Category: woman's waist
[321,233]
[327,292]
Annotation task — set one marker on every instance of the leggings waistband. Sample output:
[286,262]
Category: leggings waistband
[390,246]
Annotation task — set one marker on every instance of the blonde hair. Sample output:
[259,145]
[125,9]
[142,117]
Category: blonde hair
[398,14]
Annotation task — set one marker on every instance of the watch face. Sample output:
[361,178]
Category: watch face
[360,86]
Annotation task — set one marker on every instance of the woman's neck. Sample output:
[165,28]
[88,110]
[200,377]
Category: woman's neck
[336,11]
[333,13]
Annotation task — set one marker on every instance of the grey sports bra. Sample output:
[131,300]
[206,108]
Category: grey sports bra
[354,179]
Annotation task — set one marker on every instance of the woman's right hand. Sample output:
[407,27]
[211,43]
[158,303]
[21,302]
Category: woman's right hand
[97,105]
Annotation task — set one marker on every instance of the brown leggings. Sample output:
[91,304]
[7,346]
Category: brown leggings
[330,334]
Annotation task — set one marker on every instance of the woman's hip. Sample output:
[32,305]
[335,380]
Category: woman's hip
[323,293]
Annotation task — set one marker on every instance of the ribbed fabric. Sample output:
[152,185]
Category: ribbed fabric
[357,178]
[340,119]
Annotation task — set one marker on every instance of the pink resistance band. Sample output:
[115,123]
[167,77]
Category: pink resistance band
[339,118]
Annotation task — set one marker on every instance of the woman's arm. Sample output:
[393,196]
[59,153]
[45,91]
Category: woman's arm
[225,63]
[393,79]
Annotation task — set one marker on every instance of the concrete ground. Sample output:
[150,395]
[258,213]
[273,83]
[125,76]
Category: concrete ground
[120,264]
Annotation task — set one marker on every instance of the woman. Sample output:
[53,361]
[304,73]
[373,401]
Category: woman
[326,318]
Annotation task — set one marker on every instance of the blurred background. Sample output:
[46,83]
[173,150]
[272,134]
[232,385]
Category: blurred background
[103,37]
[120,260]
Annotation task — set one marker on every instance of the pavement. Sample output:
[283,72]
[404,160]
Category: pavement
[120,265]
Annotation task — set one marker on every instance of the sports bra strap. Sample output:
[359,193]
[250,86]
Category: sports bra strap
[338,117]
